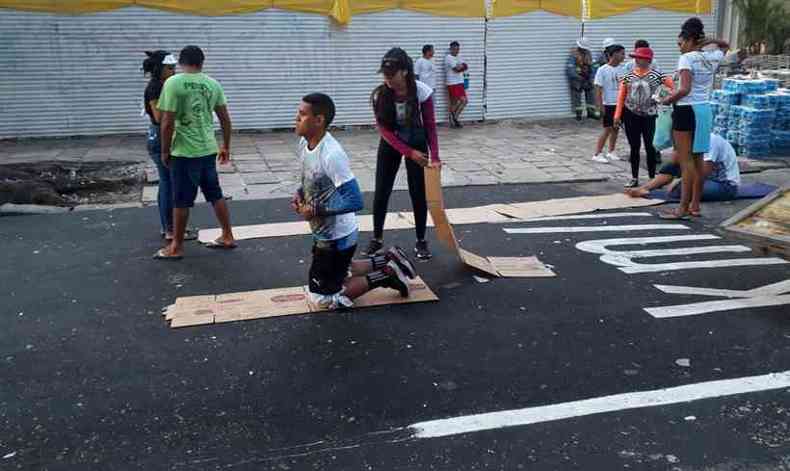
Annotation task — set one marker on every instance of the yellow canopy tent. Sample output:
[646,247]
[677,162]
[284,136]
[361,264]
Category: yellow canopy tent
[340,10]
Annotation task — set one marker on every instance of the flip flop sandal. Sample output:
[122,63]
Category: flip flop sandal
[190,234]
[218,244]
[673,216]
[695,214]
[161,255]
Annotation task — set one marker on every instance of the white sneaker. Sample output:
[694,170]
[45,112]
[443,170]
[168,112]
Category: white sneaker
[612,156]
[600,158]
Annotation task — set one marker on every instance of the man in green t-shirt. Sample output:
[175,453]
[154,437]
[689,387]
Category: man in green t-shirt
[189,148]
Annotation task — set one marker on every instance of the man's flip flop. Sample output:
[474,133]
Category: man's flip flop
[695,214]
[161,255]
[218,244]
[673,216]
[190,234]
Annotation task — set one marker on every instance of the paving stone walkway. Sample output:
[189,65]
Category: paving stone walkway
[264,164]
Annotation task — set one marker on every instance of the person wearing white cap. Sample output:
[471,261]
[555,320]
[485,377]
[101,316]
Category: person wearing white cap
[160,65]
[579,69]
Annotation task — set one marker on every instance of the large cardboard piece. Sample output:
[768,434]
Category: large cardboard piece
[520,267]
[259,231]
[494,266]
[576,205]
[261,304]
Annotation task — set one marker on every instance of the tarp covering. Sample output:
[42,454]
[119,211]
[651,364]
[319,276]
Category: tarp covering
[340,10]
[502,8]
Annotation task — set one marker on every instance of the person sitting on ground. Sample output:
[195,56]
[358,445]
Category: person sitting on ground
[328,199]
[720,171]
[607,83]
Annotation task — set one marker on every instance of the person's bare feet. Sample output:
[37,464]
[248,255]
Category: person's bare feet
[636,192]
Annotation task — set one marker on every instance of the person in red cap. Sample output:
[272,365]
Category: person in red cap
[637,109]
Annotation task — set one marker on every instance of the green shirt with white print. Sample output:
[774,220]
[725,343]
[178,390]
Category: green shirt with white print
[192,97]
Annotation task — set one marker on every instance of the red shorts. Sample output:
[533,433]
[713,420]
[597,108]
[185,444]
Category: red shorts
[456,91]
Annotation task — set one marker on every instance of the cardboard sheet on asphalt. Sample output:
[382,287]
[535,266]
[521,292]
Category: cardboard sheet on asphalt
[261,304]
[576,205]
[492,214]
[494,266]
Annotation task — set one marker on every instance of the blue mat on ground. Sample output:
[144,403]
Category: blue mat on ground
[745,191]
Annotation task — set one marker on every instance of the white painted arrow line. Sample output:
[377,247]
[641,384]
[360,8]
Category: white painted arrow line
[587,216]
[694,309]
[556,230]
[599,405]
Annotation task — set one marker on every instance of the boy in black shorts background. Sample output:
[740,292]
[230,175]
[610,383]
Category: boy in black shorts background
[328,199]
[607,84]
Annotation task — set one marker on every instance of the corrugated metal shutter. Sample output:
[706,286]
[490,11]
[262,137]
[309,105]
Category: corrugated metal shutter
[526,65]
[72,75]
[659,28]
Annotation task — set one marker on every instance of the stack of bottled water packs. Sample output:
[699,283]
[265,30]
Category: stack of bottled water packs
[753,115]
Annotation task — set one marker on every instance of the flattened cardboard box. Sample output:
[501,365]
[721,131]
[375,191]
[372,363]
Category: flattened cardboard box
[267,303]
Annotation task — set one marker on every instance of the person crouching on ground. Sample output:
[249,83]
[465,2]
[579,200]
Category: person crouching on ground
[607,83]
[721,176]
[328,199]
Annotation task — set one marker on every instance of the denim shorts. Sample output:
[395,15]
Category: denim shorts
[190,173]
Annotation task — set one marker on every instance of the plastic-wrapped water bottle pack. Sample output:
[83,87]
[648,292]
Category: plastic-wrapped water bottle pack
[781,140]
[761,102]
[755,131]
[726,97]
[734,116]
[782,121]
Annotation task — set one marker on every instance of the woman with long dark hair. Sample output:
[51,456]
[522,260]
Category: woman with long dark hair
[691,115]
[160,65]
[405,118]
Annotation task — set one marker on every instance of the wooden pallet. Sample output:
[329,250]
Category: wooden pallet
[765,223]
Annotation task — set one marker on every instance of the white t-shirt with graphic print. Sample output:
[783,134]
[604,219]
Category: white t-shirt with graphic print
[324,170]
[703,65]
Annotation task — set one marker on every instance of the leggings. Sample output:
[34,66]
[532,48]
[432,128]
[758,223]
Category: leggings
[387,165]
[639,127]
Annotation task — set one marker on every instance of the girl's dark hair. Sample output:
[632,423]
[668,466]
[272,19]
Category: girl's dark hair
[693,29]
[641,43]
[383,98]
[153,63]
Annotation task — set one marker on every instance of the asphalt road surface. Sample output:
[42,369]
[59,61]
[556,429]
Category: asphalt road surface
[92,377]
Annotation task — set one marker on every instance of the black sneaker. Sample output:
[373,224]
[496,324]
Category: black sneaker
[396,279]
[374,247]
[397,255]
[633,183]
[421,250]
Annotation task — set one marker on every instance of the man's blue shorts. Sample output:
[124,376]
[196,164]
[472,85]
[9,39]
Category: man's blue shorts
[190,173]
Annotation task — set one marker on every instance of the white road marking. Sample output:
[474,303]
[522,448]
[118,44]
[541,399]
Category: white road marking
[556,230]
[694,309]
[600,245]
[587,216]
[767,290]
[599,405]
[634,267]
[624,258]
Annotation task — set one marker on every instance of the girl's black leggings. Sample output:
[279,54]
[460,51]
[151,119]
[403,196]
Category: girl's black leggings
[637,128]
[387,165]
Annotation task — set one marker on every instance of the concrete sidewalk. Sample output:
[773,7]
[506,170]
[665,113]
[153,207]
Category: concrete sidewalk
[264,164]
